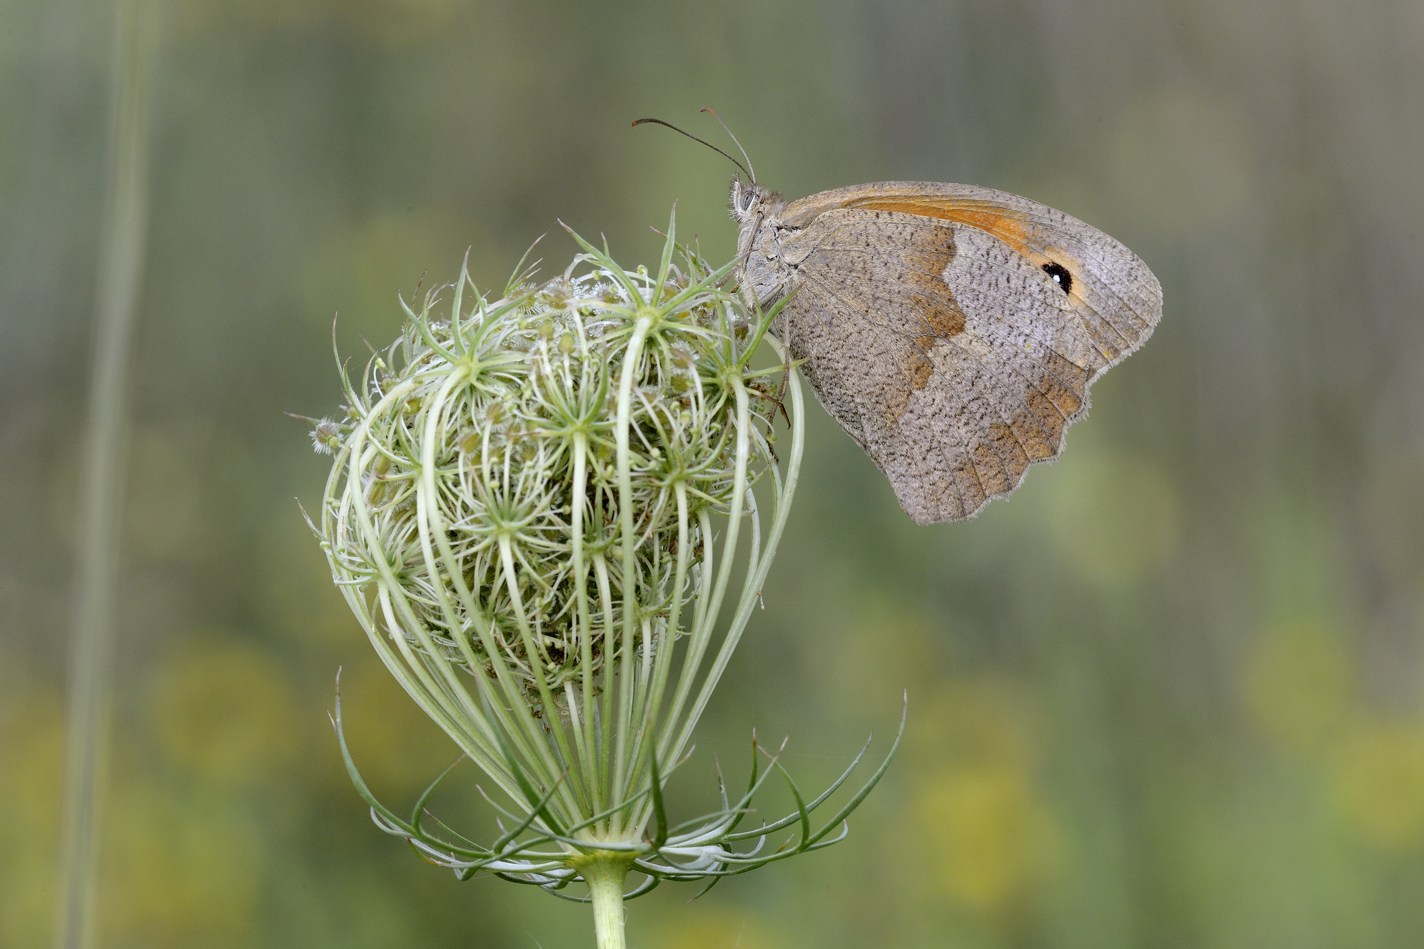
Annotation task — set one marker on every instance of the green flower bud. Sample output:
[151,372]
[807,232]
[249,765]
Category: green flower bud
[553,514]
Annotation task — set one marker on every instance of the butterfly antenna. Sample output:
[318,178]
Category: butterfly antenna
[751,172]
[745,169]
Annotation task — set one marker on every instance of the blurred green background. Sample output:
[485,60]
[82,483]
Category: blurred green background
[1171,694]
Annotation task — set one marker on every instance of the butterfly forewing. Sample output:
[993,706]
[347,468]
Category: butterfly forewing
[953,331]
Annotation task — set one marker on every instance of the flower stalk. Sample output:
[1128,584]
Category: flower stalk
[604,873]
[553,513]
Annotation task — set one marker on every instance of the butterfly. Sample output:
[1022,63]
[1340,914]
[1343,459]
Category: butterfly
[953,331]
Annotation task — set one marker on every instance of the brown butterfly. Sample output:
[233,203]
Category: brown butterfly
[952,331]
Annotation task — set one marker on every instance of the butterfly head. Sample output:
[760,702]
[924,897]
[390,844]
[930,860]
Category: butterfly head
[751,205]
[748,199]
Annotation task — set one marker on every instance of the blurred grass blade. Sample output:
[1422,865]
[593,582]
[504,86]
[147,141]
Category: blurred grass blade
[90,667]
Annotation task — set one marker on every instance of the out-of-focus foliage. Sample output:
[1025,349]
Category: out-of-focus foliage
[1171,694]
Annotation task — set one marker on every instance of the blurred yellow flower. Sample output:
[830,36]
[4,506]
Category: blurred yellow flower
[979,816]
[973,722]
[31,736]
[179,869]
[994,839]
[225,711]
[708,927]
[1378,781]
[1297,684]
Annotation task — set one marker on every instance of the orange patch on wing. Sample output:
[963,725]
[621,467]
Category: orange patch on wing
[1014,457]
[968,489]
[990,468]
[942,316]
[1030,434]
[1049,417]
[1064,383]
[919,370]
[1007,226]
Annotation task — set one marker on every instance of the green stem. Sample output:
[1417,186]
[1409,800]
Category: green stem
[604,874]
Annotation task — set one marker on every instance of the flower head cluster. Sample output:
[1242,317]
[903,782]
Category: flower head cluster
[561,425]
[553,513]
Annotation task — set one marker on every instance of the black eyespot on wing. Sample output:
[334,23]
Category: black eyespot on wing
[1060,275]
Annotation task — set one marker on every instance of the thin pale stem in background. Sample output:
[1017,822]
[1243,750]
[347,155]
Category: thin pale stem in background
[100,503]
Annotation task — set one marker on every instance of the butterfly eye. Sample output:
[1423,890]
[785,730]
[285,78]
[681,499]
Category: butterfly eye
[1060,275]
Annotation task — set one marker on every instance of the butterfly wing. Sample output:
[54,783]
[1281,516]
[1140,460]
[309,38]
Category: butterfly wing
[954,331]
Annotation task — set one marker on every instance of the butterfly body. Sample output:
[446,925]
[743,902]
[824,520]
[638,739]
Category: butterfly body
[952,331]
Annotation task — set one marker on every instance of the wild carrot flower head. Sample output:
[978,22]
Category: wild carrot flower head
[552,512]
